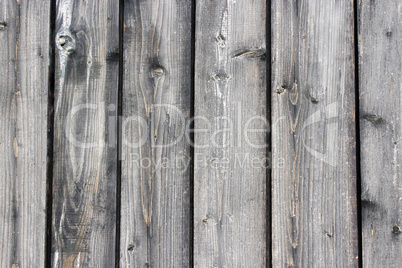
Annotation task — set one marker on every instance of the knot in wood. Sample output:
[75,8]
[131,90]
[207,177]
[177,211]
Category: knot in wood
[280,90]
[396,229]
[3,25]
[66,43]
[156,72]
[130,247]
[221,40]
[253,53]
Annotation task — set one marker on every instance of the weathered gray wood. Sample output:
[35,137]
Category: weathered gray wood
[84,183]
[155,197]
[314,208]
[229,170]
[380,81]
[24,44]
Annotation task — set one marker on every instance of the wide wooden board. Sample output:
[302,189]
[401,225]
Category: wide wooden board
[380,82]
[24,61]
[231,124]
[155,185]
[314,208]
[85,133]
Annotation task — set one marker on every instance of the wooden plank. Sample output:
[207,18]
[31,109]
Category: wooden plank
[230,225]
[313,135]
[84,183]
[380,81]
[155,198]
[24,60]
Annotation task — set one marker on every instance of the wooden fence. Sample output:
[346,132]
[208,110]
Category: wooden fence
[179,133]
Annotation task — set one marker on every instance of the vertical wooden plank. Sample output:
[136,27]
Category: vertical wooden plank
[380,81]
[24,44]
[84,182]
[230,161]
[313,136]
[155,208]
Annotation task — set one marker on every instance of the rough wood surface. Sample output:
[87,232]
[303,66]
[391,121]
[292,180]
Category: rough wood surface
[313,134]
[230,225]
[24,44]
[155,197]
[380,81]
[84,182]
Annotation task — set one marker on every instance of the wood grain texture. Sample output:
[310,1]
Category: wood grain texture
[380,82]
[155,197]
[24,44]
[230,225]
[313,134]
[84,182]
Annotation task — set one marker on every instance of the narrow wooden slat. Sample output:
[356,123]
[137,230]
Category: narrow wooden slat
[230,225]
[155,197]
[314,207]
[84,182]
[24,44]
[380,81]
